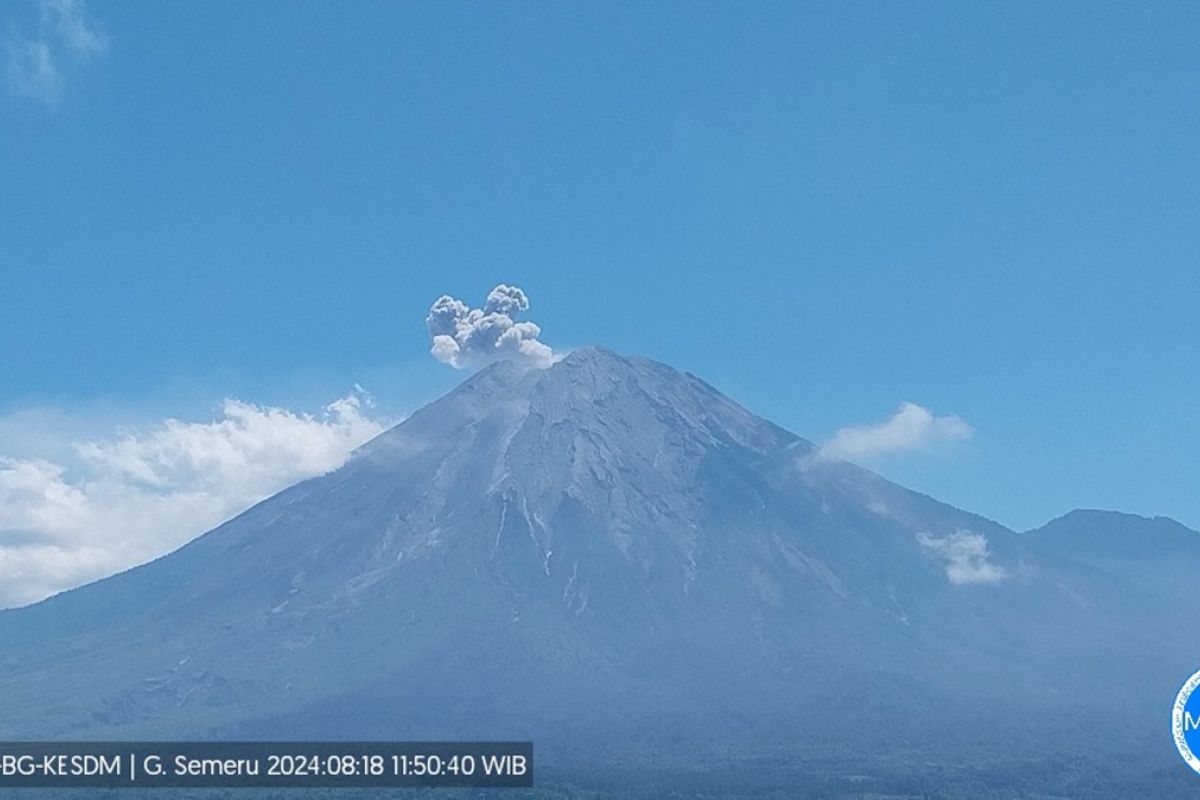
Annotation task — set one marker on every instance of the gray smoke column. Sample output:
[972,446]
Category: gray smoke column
[467,337]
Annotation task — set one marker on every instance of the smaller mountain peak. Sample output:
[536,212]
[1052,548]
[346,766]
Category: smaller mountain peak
[1085,514]
[1113,532]
[1098,516]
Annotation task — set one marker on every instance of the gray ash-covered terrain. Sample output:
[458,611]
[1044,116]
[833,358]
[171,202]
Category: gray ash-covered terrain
[613,559]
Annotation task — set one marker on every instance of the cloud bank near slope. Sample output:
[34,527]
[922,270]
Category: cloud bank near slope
[912,427]
[131,498]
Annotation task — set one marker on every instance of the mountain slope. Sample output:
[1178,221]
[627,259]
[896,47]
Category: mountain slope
[606,546]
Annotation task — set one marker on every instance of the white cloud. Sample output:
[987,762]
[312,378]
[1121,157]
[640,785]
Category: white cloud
[32,71]
[68,19]
[912,427]
[463,336]
[66,38]
[966,557]
[139,495]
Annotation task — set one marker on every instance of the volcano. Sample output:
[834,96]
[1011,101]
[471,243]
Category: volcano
[608,556]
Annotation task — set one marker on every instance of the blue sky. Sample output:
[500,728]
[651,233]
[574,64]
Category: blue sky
[825,210]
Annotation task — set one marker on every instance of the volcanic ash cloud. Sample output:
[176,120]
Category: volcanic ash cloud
[471,337]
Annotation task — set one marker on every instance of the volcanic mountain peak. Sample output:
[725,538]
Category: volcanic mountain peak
[596,391]
[608,522]
[595,427]
[608,437]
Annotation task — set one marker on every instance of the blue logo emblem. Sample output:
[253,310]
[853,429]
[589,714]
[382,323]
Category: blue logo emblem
[1185,722]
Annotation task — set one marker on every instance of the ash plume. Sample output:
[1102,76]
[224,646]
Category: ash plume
[469,337]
